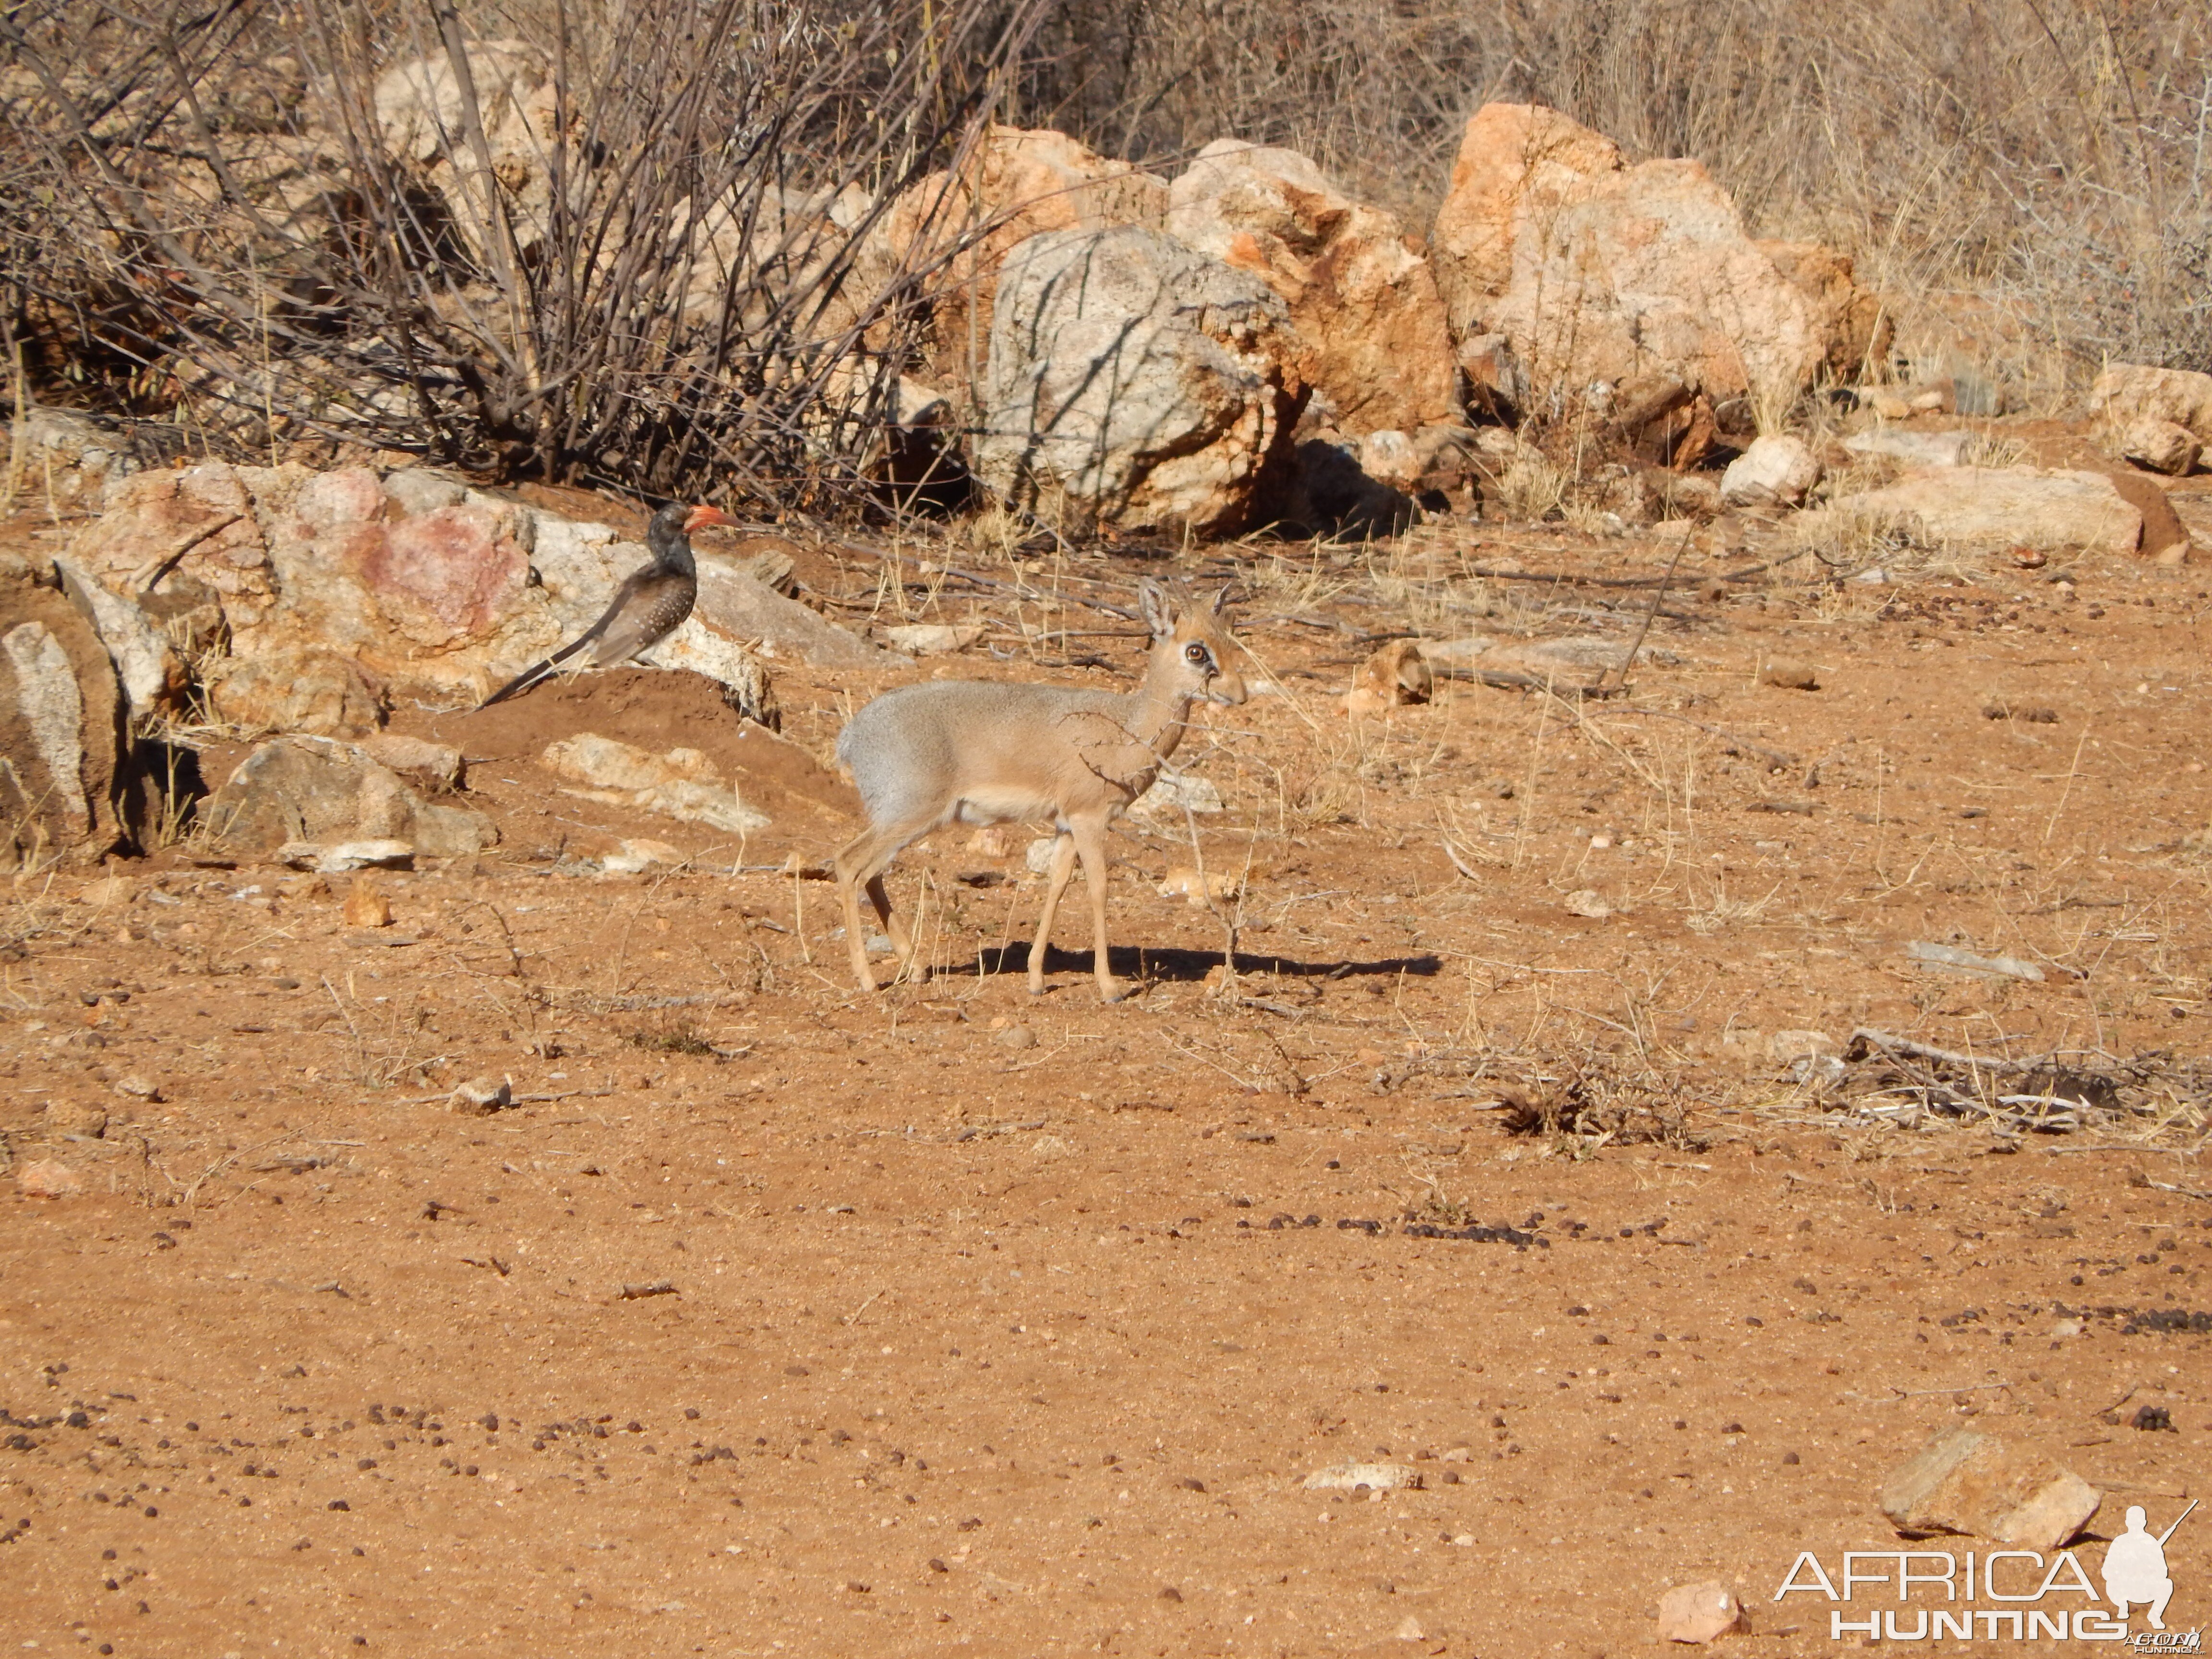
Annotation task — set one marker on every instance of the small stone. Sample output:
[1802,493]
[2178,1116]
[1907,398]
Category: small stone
[1966,1481]
[48,1177]
[480,1097]
[138,1086]
[364,906]
[1790,676]
[70,1117]
[992,840]
[2160,446]
[1786,1046]
[2066,1328]
[1588,901]
[1410,1629]
[1773,472]
[1170,1593]
[1184,883]
[1015,1036]
[640,853]
[1698,1613]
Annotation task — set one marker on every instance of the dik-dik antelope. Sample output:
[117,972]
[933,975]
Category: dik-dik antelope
[968,751]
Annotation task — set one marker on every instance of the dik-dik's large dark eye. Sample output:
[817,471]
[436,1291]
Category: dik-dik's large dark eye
[1196,654]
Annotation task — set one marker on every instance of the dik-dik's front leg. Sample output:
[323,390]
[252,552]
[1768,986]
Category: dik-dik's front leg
[1063,866]
[1090,839]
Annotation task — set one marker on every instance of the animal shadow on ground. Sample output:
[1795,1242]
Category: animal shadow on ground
[1179,966]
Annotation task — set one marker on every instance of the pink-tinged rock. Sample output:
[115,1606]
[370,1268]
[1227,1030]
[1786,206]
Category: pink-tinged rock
[1597,271]
[1966,1481]
[1369,324]
[49,1178]
[456,566]
[1698,1612]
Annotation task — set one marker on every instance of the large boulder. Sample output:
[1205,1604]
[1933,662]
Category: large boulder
[1595,272]
[1135,382]
[2128,392]
[1372,337]
[65,747]
[1984,511]
[954,229]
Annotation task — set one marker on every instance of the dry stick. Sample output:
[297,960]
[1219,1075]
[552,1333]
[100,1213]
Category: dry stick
[21,434]
[1657,594]
[1774,754]
[2072,772]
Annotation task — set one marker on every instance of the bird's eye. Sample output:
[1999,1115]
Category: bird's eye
[1194,652]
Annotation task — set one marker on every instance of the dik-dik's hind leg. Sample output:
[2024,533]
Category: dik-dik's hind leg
[893,925]
[860,864]
[1063,866]
[1090,839]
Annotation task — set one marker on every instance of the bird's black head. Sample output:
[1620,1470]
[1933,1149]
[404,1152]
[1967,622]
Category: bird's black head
[669,535]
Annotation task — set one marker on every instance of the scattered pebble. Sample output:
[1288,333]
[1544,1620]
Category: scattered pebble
[1698,1612]
[49,1178]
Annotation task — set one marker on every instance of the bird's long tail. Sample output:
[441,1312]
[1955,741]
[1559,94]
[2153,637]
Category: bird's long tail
[538,672]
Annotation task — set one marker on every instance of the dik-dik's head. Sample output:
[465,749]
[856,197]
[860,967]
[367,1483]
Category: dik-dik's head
[1191,644]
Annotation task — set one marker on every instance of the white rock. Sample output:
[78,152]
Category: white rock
[146,664]
[636,855]
[681,784]
[1913,448]
[51,708]
[1786,1046]
[1375,1477]
[1777,471]
[1982,511]
[338,857]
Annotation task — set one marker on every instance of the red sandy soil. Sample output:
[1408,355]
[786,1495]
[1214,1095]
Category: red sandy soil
[969,1327]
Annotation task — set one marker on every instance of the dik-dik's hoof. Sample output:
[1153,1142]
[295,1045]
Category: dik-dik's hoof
[1112,990]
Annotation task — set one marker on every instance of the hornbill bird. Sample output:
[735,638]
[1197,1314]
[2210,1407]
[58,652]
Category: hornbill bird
[651,604]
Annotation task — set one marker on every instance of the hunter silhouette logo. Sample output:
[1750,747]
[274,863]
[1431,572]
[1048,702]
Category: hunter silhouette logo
[2135,1567]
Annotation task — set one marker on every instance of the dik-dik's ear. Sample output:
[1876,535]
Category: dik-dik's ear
[1158,608]
[1221,603]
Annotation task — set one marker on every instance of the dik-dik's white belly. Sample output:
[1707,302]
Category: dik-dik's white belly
[1003,805]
